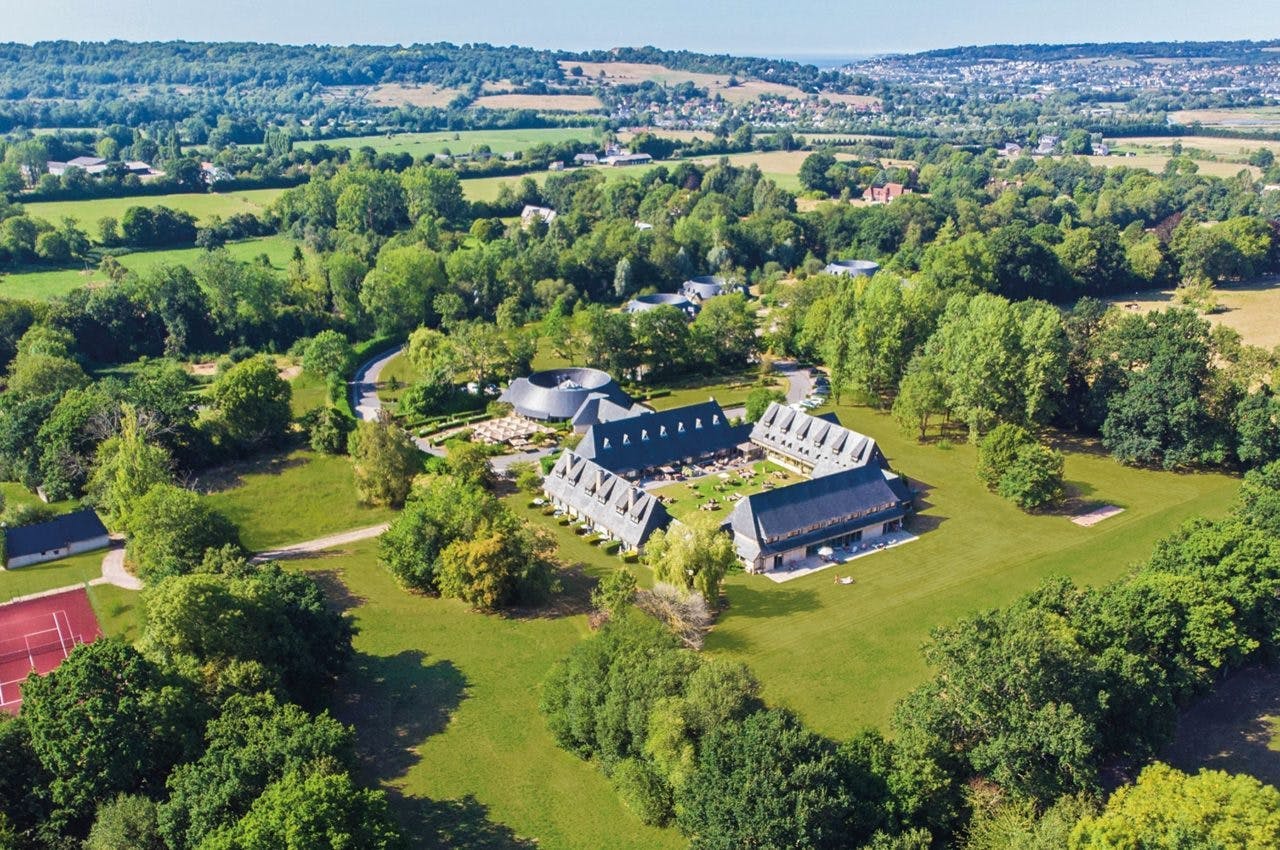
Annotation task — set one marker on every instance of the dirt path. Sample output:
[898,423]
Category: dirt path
[297,550]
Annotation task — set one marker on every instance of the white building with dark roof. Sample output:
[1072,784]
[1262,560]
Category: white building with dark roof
[775,528]
[812,445]
[682,436]
[610,504]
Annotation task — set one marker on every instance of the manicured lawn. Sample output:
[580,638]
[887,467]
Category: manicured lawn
[118,611]
[290,498]
[40,285]
[40,577]
[445,703]
[16,494]
[688,495]
[203,205]
[730,391]
[841,655]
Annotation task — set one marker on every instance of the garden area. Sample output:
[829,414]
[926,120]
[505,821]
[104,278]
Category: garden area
[723,489]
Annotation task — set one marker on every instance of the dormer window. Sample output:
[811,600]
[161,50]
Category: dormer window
[715,419]
[662,431]
[626,439]
[680,428]
[644,434]
[697,423]
[606,443]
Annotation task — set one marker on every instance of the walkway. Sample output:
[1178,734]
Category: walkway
[113,573]
[364,385]
[298,550]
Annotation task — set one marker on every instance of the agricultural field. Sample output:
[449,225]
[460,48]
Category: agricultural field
[1252,117]
[445,705]
[41,285]
[1236,150]
[549,102]
[1250,308]
[203,205]
[1155,162]
[394,94]
[783,167]
[421,144]
[277,500]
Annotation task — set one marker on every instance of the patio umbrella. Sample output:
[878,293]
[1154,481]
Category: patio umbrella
[826,551]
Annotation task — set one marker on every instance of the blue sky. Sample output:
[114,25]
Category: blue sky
[758,27]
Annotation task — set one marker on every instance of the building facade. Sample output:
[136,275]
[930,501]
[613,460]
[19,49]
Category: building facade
[812,445]
[684,436]
[610,504]
[69,534]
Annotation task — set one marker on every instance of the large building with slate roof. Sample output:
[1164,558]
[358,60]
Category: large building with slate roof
[610,504]
[777,527]
[812,445]
[69,534]
[682,436]
[558,395]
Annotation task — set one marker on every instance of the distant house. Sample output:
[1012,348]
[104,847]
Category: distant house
[1047,145]
[530,212]
[214,173]
[611,505]
[69,534]
[682,436]
[1011,150]
[884,194]
[556,166]
[852,268]
[585,159]
[776,527]
[1102,149]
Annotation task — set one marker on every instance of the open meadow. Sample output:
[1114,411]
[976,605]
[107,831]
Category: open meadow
[421,144]
[1155,162]
[202,205]
[1251,308]
[1237,150]
[1241,118]
[41,285]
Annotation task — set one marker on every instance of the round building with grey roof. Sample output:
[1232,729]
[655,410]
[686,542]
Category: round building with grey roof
[557,394]
[644,303]
[853,268]
[706,286]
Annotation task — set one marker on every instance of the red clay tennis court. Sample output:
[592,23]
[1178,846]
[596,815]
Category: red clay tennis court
[37,634]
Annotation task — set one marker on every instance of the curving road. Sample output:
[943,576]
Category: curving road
[364,385]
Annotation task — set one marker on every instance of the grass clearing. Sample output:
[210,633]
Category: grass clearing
[54,283]
[1244,118]
[1155,162]
[203,205]
[1233,149]
[309,392]
[37,578]
[289,498]
[729,391]
[1251,308]
[445,704]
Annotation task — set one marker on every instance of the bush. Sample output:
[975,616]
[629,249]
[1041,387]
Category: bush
[327,430]
[643,791]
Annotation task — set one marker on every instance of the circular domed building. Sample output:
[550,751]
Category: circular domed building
[706,286]
[644,303]
[557,394]
[852,268]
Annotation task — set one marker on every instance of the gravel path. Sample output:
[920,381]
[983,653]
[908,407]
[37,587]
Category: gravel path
[319,544]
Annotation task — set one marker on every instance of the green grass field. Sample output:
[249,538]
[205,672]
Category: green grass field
[43,285]
[421,144]
[283,499]
[445,703]
[309,392]
[203,205]
[118,610]
[841,656]
[729,391]
[41,577]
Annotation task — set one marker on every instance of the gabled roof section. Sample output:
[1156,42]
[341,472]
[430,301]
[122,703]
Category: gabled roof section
[818,509]
[76,527]
[609,502]
[661,438]
[817,441]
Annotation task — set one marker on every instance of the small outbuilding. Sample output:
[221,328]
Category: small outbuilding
[706,286]
[69,534]
[852,268]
